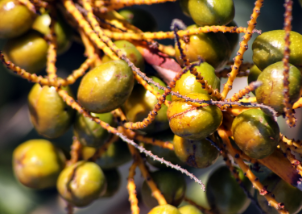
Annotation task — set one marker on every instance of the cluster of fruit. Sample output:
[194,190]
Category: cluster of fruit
[185,121]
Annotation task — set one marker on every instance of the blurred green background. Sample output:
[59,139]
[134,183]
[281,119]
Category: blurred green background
[16,128]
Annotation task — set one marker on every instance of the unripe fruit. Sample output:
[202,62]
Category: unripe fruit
[268,48]
[193,121]
[81,183]
[131,52]
[195,153]
[164,209]
[16,18]
[50,115]
[88,132]
[38,163]
[271,91]
[188,83]
[173,192]
[189,209]
[139,18]
[256,133]
[62,31]
[223,194]
[212,47]
[106,87]
[233,38]
[141,102]
[284,193]
[28,51]
[214,12]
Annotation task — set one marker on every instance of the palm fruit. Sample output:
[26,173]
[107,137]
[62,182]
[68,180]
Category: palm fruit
[271,91]
[16,18]
[49,114]
[28,51]
[255,133]
[212,47]
[106,87]
[195,153]
[164,209]
[38,163]
[188,83]
[81,183]
[268,48]
[194,122]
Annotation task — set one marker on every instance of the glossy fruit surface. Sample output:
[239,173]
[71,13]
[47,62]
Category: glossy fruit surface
[164,209]
[255,133]
[290,196]
[114,181]
[139,18]
[268,48]
[193,122]
[38,163]
[214,12]
[62,30]
[271,91]
[116,155]
[131,52]
[88,132]
[50,115]
[188,83]
[28,51]
[172,191]
[106,87]
[81,183]
[223,194]
[167,154]
[212,47]
[16,18]
[141,102]
[189,209]
[195,153]
[254,74]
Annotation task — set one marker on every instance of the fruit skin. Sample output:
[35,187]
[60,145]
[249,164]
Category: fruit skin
[214,12]
[233,38]
[37,163]
[268,48]
[290,196]
[131,53]
[255,133]
[88,132]
[195,153]
[253,75]
[189,209]
[28,51]
[81,183]
[141,102]
[139,18]
[164,209]
[49,114]
[193,122]
[212,47]
[62,31]
[172,191]
[16,19]
[167,154]
[188,83]
[271,91]
[116,155]
[106,87]
[223,194]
